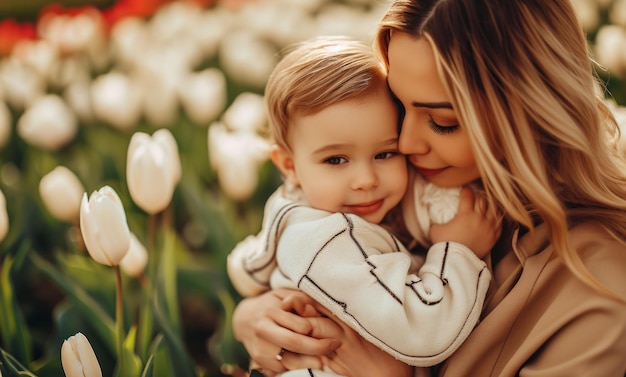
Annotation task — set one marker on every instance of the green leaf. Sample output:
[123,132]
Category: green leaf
[132,366]
[16,336]
[96,316]
[157,345]
[145,325]
[12,366]
[180,362]
[168,272]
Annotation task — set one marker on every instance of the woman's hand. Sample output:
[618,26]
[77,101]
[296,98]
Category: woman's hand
[474,225]
[356,357]
[265,327]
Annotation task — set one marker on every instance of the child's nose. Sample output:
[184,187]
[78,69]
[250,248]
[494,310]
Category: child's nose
[366,178]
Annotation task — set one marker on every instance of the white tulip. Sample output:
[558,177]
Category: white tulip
[48,123]
[160,102]
[215,24]
[130,41]
[172,21]
[136,259]
[236,158]
[39,54]
[21,83]
[80,33]
[203,95]
[165,138]
[77,96]
[246,113]
[4,217]
[6,124]
[78,358]
[611,48]
[246,58]
[61,192]
[104,227]
[281,22]
[617,13]
[588,13]
[152,169]
[116,99]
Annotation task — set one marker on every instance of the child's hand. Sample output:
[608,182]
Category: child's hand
[474,226]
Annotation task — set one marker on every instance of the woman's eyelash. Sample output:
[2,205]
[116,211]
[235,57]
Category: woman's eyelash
[442,130]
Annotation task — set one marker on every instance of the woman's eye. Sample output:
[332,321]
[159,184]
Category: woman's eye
[442,130]
[335,160]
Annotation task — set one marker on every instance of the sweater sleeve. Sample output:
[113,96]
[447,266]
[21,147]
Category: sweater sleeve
[252,261]
[363,275]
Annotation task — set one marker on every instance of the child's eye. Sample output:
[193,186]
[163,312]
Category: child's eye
[442,130]
[335,160]
[385,155]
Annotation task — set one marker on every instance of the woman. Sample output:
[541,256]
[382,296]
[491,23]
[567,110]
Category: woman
[503,92]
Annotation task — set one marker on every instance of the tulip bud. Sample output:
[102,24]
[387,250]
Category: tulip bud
[165,138]
[4,217]
[246,113]
[116,99]
[39,54]
[61,192]
[152,169]
[160,101]
[48,123]
[247,58]
[203,95]
[236,157]
[78,358]
[135,261]
[21,84]
[104,227]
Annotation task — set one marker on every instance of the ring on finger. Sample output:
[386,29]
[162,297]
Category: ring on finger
[280,354]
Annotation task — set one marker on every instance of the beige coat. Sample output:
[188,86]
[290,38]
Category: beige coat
[541,321]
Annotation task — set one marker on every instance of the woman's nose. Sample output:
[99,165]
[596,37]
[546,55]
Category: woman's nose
[412,140]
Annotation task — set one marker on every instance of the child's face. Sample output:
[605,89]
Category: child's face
[345,158]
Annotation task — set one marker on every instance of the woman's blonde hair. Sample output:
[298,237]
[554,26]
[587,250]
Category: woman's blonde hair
[316,74]
[521,81]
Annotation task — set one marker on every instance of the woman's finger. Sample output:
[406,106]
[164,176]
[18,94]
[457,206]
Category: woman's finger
[293,361]
[313,341]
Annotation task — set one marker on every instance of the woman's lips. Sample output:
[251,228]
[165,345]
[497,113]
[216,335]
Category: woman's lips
[366,208]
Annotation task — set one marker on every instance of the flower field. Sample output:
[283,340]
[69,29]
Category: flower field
[133,157]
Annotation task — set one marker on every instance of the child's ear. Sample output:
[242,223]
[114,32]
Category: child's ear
[284,162]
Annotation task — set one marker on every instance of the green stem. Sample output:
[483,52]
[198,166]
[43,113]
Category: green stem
[119,320]
[153,260]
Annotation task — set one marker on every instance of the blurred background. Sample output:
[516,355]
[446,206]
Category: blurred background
[79,78]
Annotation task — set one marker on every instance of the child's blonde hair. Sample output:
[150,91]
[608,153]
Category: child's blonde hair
[318,73]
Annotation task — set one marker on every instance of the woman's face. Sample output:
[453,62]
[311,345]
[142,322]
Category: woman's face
[437,145]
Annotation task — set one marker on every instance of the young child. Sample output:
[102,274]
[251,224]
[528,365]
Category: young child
[335,128]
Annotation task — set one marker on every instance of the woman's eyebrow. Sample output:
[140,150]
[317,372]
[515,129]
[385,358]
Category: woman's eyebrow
[432,105]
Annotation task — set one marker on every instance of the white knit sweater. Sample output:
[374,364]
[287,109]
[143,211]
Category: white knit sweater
[417,310]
